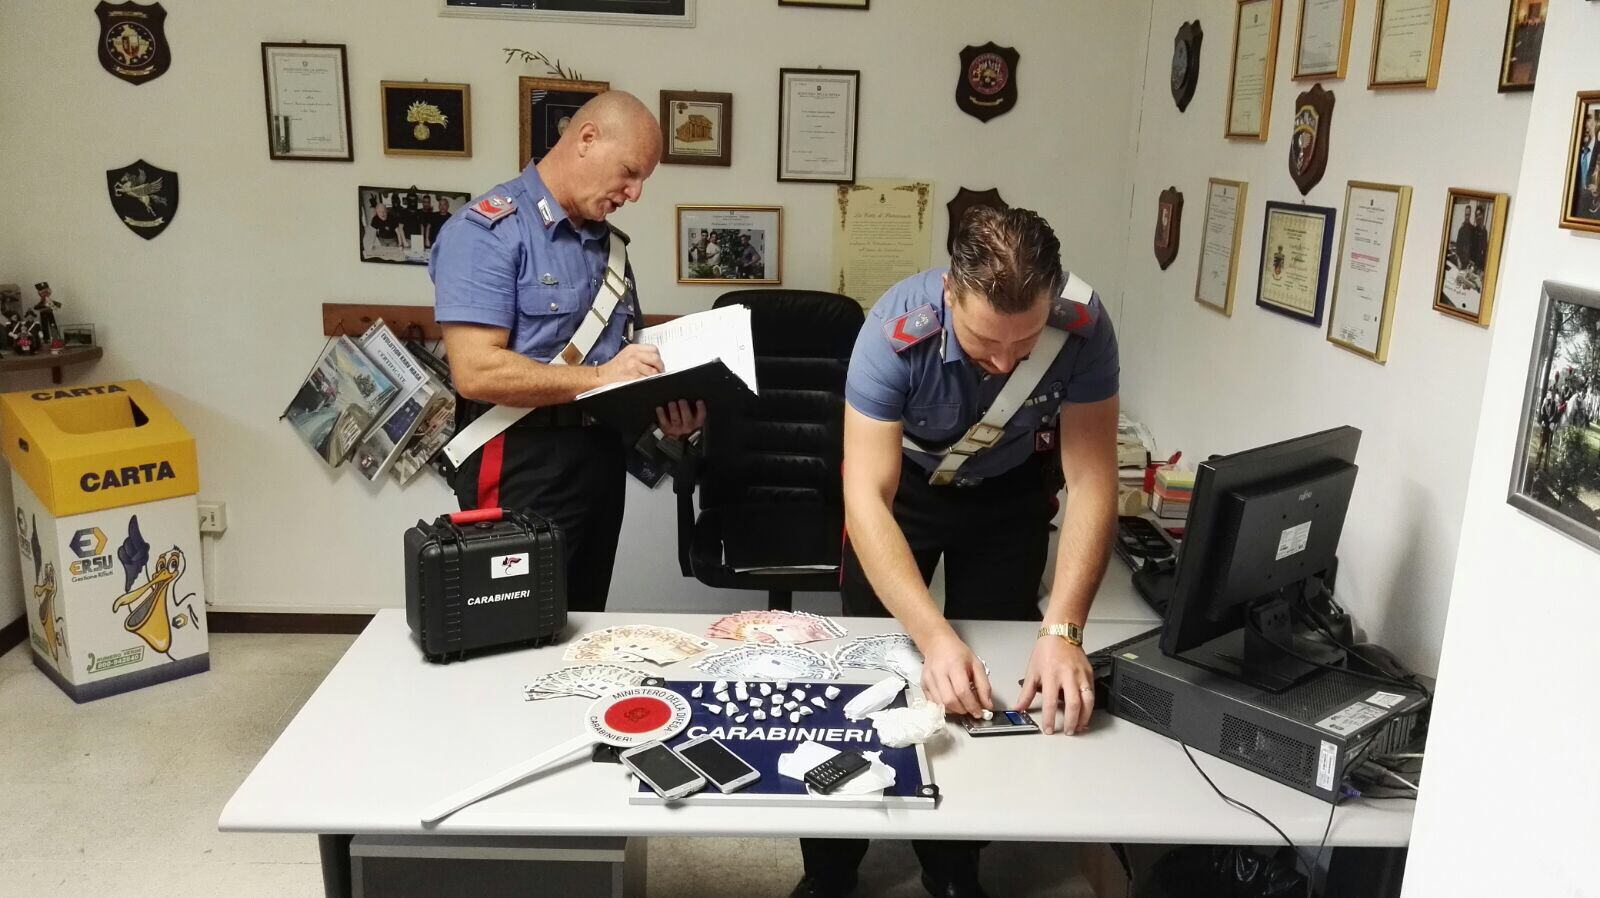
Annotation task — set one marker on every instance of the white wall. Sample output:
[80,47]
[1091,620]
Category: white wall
[1210,384]
[221,312]
[1511,777]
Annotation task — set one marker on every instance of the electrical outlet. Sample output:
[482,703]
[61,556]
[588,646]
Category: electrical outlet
[213,517]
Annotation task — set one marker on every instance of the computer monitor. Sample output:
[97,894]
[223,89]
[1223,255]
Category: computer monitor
[1263,526]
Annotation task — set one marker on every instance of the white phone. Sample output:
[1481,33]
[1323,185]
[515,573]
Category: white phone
[726,770]
[662,770]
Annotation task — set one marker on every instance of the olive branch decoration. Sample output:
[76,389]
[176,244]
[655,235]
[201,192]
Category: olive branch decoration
[555,68]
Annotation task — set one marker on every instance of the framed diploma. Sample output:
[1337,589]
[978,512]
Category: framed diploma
[1322,44]
[1407,43]
[308,102]
[1296,252]
[730,245]
[1469,254]
[1255,60]
[1219,247]
[1370,248]
[818,110]
[880,237]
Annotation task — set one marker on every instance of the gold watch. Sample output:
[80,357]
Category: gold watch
[1070,632]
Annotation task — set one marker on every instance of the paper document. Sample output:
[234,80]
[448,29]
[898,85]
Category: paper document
[697,340]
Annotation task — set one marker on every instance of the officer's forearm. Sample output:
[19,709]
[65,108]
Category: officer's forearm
[504,377]
[1087,529]
[891,569]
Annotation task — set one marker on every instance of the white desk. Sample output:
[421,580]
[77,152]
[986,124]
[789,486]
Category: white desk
[386,734]
[1118,602]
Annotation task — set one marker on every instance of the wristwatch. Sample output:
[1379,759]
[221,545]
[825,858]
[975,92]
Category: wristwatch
[1070,632]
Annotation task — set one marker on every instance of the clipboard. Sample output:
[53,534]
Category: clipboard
[630,407]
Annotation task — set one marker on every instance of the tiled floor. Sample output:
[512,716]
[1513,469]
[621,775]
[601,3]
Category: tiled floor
[121,796]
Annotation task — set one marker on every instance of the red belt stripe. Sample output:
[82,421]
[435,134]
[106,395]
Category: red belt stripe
[489,472]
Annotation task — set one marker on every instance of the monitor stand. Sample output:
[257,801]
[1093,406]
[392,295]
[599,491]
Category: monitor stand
[1255,653]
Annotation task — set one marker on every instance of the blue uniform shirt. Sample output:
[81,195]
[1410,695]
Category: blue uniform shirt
[936,394]
[531,271]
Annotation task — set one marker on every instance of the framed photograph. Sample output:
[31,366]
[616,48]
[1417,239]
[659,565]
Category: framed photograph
[544,106]
[1581,209]
[1370,249]
[696,128]
[1255,62]
[1296,256]
[677,13]
[421,118]
[1219,247]
[77,334]
[730,245]
[818,110]
[398,224]
[1322,42]
[1469,254]
[1407,43]
[1556,475]
[1519,64]
[308,102]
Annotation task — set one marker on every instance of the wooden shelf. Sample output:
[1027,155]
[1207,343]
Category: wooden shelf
[75,355]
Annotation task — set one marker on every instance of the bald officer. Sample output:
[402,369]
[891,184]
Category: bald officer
[965,387]
[537,301]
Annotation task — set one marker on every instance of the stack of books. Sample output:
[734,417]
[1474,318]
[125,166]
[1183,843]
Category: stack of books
[1173,492]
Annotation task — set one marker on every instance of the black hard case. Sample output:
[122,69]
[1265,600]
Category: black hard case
[449,561]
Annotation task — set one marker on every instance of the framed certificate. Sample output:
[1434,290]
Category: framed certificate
[730,245]
[1469,254]
[1407,43]
[1219,247]
[1370,248]
[1255,60]
[818,111]
[308,102]
[1296,252]
[1322,42]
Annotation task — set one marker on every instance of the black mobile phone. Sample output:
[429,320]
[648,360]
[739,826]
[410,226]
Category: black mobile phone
[836,771]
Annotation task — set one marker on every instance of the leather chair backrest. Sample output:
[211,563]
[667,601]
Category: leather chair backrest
[772,474]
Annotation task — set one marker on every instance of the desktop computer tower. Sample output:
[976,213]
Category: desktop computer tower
[1306,737]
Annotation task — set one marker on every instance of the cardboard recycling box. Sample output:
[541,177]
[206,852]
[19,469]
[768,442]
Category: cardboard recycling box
[104,479]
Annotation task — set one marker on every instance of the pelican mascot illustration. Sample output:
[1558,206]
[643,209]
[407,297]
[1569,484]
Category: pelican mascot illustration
[45,591]
[148,616]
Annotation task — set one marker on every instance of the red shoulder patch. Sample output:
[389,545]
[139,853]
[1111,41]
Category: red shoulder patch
[912,328]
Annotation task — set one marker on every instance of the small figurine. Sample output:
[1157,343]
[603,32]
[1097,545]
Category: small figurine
[51,333]
[10,311]
[21,334]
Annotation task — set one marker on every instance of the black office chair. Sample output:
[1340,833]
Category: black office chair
[771,500]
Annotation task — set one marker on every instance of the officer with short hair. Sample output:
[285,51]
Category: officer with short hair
[537,301]
[965,388]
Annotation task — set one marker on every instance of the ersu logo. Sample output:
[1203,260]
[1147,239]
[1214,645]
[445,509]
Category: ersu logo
[87,544]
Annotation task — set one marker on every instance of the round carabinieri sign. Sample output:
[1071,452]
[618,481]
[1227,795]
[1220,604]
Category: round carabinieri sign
[637,715]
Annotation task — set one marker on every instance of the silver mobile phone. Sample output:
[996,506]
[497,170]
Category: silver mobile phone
[726,770]
[660,768]
[1006,723]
